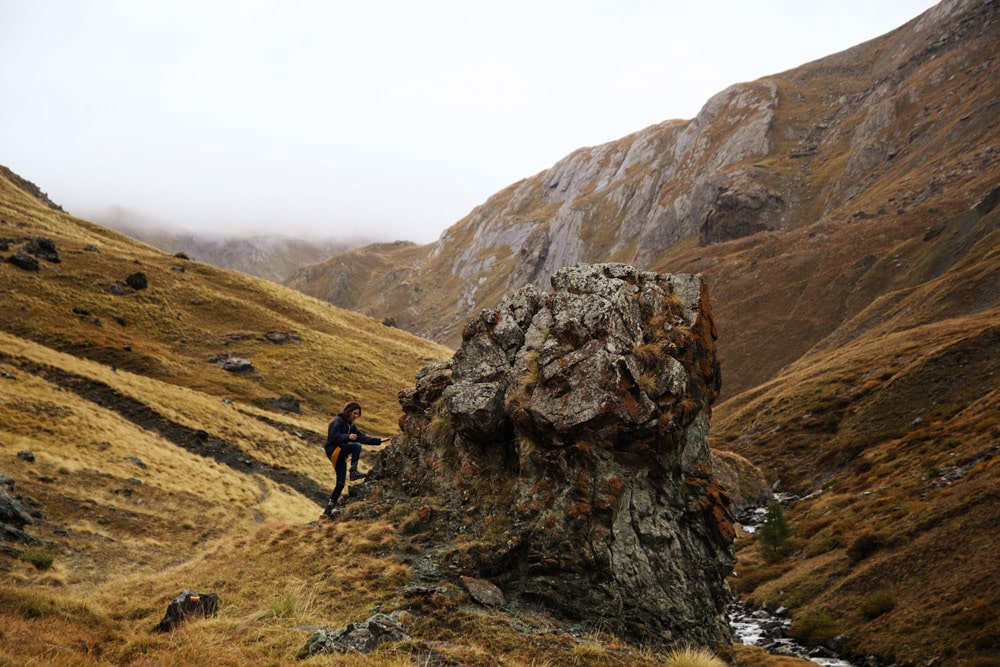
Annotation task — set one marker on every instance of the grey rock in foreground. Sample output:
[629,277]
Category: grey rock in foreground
[567,440]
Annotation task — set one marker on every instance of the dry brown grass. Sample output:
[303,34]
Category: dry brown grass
[131,512]
[860,361]
[906,486]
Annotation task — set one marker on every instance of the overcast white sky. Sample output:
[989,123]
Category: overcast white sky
[382,118]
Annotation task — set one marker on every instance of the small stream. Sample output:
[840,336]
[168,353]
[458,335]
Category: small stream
[759,627]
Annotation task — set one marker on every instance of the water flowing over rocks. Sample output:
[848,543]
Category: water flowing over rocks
[755,626]
[566,442]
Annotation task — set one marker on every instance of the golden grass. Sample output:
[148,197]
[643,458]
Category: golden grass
[693,657]
[193,522]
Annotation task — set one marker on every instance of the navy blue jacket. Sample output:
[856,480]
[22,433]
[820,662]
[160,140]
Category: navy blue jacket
[339,432]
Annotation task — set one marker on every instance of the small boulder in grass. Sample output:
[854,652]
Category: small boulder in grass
[188,604]
[362,637]
[484,592]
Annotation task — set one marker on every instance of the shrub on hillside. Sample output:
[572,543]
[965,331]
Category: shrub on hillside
[877,604]
[748,578]
[863,546]
[832,424]
[40,559]
[813,629]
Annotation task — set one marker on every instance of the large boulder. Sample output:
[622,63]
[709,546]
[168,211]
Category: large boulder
[566,441]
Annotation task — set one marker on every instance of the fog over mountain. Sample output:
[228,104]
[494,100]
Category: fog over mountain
[386,119]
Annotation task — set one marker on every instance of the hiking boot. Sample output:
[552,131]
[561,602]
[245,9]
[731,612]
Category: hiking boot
[355,475]
[331,509]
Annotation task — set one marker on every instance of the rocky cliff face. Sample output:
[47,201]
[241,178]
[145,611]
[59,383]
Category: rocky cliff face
[828,166]
[566,441]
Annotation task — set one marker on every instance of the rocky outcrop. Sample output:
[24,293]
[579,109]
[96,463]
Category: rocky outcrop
[31,248]
[735,205]
[13,518]
[568,437]
[362,637]
[29,188]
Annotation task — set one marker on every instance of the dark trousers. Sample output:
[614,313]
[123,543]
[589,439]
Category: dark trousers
[338,457]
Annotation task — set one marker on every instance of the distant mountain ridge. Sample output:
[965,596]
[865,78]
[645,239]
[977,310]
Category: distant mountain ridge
[844,217]
[272,256]
[892,136]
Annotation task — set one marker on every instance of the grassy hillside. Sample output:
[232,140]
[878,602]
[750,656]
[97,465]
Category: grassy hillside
[844,215]
[889,430]
[149,469]
[851,245]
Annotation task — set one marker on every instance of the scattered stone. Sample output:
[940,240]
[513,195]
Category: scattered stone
[119,319]
[181,255]
[23,261]
[137,281]
[484,592]
[91,248]
[118,288]
[989,201]
[137,461]
[12,513]
[188,604]
[43,248]
[13,534]
[26,455]
[389,321]
[362,637]
[286,402]
[233,364]
[281,338]
[934,231]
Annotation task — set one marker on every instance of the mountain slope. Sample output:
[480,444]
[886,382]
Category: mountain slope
[879,144]
[137,374]
[844,215]
[134,466]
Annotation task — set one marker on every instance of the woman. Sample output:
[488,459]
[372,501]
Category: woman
[344,439]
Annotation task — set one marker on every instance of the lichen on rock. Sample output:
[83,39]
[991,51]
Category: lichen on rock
[568,438]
